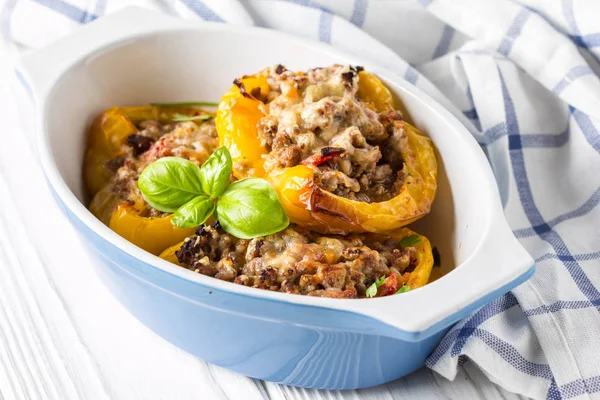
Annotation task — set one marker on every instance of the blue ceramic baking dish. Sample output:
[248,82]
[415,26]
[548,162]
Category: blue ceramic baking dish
[291,339]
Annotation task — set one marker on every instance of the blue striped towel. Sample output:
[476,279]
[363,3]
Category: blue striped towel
[522,75]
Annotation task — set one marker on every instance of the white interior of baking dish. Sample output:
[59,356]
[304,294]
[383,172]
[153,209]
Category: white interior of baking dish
[161,59]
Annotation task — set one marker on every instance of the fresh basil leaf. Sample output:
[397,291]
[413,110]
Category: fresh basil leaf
[187,104]
[409,241]
[437,261]
[170,182]
[185,118]
[371,290]
[404,288]
[194,213]
[250,208]
[215,172]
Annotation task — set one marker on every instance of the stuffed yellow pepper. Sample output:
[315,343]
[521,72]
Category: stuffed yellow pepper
[332,144]
[122,141]
[299,261]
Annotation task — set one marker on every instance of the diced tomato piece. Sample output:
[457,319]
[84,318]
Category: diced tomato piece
[389,286]
[326,154]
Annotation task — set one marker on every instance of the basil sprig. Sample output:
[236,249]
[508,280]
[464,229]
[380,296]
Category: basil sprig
[246,209]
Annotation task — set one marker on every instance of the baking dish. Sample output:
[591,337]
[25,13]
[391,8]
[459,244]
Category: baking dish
[136,57]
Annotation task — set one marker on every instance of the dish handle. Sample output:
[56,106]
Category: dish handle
[39,69]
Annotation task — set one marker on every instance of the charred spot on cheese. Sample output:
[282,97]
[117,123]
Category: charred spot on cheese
[332,151]
[348,77]
[255,93]
[116,163]
[242,88]
[140,143]
[258,245]
[187,250]
[280,69]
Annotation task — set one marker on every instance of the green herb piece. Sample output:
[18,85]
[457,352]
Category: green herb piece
[194,213]
[404,288]
[169,183]
[250,208]
[215,173]
[185,118]
[246,208]
[409,241]
[187,104]
[437,262]
[372,290]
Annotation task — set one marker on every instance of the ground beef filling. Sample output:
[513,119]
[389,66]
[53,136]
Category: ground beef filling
[298,261]
[153,141]
[354,151]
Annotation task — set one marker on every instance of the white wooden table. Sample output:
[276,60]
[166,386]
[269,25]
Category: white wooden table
[63,336]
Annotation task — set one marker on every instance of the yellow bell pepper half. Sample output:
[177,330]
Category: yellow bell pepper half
[106,138]
[151,234]
[306,203]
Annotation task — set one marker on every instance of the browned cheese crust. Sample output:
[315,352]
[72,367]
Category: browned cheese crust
[155,140]
[297,260]
[354,151]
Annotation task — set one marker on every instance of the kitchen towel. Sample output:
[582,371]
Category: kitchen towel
[522,75]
